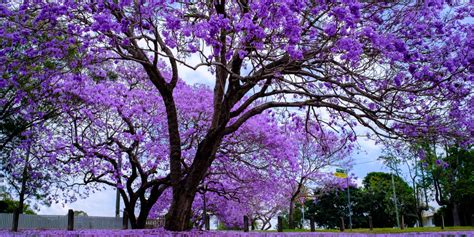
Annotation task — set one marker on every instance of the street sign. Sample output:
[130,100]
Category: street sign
[340,173]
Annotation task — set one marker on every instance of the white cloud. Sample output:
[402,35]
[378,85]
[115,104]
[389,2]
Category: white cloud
[201,75]
[97,204]
[359,182]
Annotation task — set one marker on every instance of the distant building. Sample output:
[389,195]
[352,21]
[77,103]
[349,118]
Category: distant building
[428,218]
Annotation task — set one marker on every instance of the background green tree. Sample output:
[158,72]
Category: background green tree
[8,205]
[453,184]
[330,205]
[379,199]
[374,199]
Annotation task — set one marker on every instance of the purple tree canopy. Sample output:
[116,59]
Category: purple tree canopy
[402,69]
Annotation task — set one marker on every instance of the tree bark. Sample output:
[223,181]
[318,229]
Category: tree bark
[142,217]
[137,222]
[179,215]
[291,221]
[132,218]
[418,207]
[291,213]
[266,225]
[19,209]
[21,201]
[455,213]
[420,217]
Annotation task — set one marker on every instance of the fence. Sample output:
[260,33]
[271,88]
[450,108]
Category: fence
[60,222]
[155,223]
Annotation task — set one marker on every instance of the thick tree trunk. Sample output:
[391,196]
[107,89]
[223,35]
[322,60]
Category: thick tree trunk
[132,218]
[135,222]
[138,222]
[142,217]
[455,213]
[291,213]
[179,215]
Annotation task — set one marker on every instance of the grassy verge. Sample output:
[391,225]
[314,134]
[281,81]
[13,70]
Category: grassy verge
[391,230]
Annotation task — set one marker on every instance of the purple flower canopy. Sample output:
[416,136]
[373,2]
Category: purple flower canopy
[98,91]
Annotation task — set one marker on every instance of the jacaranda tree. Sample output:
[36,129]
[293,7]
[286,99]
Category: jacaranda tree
[396,67]
[318,149]
[113,132]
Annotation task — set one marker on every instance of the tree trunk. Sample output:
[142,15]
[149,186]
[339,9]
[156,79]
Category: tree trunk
[179,215]
[418,207]
[21,201]
[132,218]
[266,225]
[269,225]
[19,210]
[419,214]
[455,213]
[142,217]
[135,222]
[291,213]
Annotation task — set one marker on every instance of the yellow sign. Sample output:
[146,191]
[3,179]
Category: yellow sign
[340,173]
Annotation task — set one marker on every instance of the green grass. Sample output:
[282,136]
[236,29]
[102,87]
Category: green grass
[413,229]
[390,230]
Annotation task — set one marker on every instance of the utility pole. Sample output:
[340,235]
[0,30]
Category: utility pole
[395,201]
[391,163]
[343,173]
[117,196]
[204,211]
[205,216]
[349,203]
[302,220]
[117,204]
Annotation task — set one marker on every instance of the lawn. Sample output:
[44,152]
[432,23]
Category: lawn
[382,232]
[391,230]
